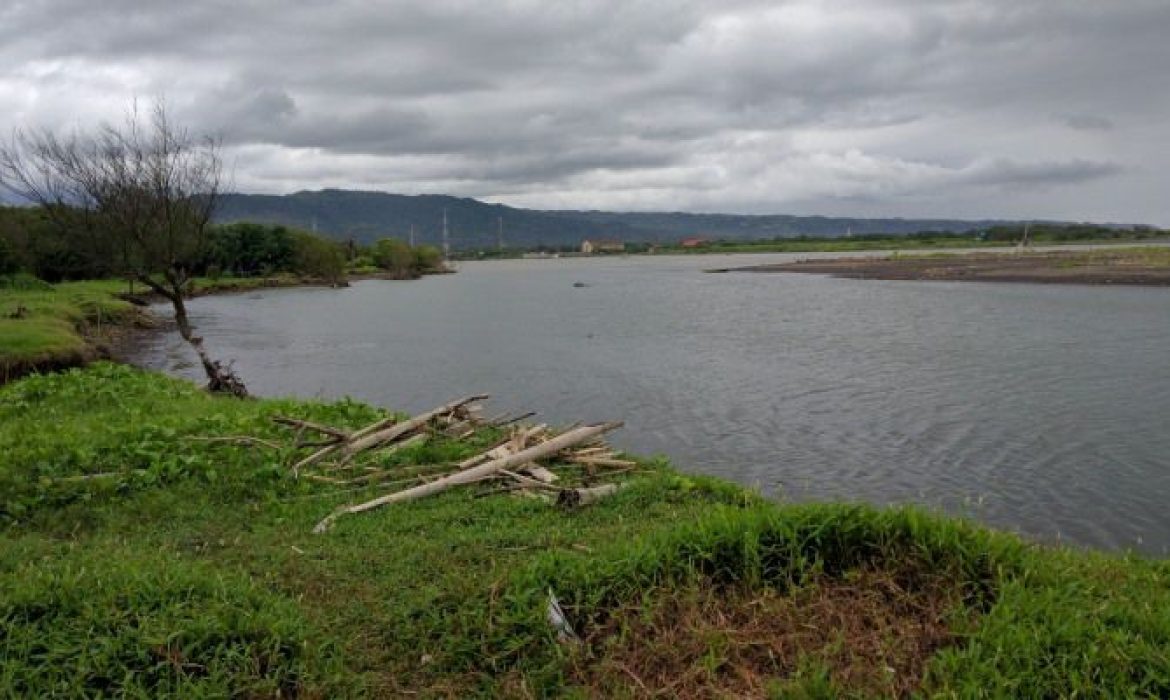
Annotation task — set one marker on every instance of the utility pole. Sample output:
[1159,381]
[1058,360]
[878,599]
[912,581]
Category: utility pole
[1026,241]
[446,238]
[412,235]
[500,235]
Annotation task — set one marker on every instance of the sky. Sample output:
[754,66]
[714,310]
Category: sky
[1056,109]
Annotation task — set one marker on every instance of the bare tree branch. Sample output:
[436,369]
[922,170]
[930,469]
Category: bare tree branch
[141,197]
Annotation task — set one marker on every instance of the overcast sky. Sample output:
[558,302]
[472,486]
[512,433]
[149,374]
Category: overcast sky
[963,108]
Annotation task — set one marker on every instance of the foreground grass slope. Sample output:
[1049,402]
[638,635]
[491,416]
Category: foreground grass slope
[137,560]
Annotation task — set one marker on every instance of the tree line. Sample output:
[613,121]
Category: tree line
[31,243]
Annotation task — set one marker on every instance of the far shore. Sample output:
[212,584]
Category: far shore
[1146,266]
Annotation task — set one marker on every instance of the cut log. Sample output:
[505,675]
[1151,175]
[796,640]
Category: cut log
[590,451]
[528,481]
[381,437]
[373,428]
[414,441]
[540,474]
[575,498]
[467,476]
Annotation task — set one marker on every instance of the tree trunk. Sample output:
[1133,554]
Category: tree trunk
[220,379]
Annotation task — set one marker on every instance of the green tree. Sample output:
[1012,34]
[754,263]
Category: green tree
[316,257]
[427,258]
[395,257]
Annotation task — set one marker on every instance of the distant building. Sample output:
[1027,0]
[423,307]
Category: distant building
[602,246]
[694,242]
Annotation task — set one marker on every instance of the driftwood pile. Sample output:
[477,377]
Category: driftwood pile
[524,461]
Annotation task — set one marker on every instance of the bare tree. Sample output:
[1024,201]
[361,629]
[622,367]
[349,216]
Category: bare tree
[140,196]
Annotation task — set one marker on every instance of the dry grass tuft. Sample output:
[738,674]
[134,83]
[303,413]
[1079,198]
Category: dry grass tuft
[870,634]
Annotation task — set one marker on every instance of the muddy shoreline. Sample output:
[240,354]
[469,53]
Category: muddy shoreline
[1097,268]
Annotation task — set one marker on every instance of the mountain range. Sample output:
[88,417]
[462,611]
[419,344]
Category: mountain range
[472,224]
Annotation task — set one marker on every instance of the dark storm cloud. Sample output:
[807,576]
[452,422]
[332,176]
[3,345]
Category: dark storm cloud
[907,107]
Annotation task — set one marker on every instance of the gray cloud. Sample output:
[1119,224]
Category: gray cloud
[1088,122]
[883,107]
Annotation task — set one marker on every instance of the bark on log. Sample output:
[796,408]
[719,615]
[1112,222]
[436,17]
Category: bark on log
[467,476]
[575,498]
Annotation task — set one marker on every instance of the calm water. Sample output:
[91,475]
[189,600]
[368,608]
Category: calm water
[1043,409]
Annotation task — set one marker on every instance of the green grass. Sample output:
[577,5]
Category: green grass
[54,325]
[191,571]
[46,326]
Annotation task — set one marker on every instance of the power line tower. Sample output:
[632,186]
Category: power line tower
[446,237]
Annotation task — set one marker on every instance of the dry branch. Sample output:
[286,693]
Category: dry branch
[379,437]
[473,474]
[309,425]
[237,440]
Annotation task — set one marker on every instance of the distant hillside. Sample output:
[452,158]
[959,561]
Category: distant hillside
[367,216]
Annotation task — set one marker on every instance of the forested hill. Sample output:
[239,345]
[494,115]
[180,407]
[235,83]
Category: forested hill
[367,216]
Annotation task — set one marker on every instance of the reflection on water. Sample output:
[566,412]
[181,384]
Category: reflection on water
[1038,408]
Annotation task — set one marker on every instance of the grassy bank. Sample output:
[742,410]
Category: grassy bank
[188,569]
[52,326]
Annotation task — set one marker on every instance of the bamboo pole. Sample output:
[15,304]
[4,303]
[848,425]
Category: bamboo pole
[573,437]
[378,437]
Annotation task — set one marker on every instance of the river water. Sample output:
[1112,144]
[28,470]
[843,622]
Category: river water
[1043,409]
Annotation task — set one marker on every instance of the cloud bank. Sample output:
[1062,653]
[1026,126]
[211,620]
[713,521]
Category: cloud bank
[1020,108]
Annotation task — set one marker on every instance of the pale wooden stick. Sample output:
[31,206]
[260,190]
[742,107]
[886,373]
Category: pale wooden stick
[475,473]
[379,437]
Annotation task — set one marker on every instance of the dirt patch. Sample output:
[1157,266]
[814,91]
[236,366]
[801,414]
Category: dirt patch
[870,633]
[1139,267]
